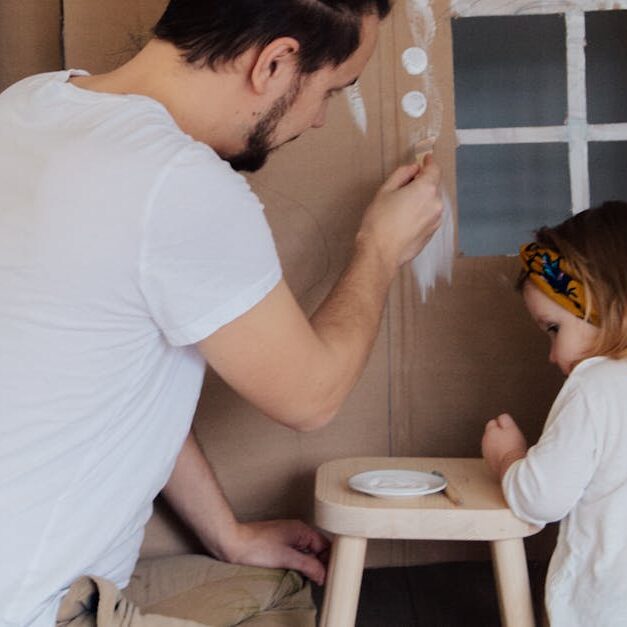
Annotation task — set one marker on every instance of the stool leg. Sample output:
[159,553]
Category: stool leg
[512,582]
[341,593]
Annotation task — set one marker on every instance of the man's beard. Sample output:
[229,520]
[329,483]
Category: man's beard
[259,140]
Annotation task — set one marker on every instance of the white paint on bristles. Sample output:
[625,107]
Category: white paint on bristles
[357,107]
[415,60]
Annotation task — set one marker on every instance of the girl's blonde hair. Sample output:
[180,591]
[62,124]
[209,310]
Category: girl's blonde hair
[594,242]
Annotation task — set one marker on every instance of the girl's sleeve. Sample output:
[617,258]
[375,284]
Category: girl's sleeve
[545,485]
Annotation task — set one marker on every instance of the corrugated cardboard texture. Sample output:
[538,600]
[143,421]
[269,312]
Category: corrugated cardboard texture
[438,371]
[30,38]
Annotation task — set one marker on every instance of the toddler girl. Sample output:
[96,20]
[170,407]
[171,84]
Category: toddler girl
[574,284]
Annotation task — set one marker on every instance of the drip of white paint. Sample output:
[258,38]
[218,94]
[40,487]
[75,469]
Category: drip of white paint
[357,106]
[421,22]
[436,110]
[414,104]
[436,259]
[415,60]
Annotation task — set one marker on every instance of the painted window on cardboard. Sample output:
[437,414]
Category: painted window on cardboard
[541,115]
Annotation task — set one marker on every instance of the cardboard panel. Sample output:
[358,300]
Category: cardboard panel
[30,38]
[99,36]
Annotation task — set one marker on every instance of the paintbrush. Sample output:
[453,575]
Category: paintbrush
[423,148]
[450,491]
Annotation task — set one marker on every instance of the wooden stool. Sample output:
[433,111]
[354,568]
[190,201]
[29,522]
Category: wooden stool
[354,517]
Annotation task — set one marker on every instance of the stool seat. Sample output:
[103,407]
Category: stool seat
[355,517]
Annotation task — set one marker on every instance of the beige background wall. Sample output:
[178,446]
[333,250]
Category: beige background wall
[439,370]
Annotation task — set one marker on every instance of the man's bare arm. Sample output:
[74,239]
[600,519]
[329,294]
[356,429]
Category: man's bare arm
[299,371]
[195,494]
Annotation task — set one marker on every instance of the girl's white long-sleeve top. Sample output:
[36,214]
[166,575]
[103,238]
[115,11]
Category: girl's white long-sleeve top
[577,473]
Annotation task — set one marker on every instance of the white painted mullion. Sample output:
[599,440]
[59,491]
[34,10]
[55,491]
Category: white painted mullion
[607,132]
[577,121]
[512,135]
[485,8]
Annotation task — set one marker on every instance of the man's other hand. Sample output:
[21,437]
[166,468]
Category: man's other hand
[289,544]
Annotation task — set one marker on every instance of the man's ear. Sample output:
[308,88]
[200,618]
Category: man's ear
[276,66]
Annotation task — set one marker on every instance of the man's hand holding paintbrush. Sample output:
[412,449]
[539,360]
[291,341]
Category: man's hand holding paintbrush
[405,213]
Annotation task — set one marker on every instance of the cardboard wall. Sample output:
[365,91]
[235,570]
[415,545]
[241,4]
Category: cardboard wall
[438,371]
[30,38]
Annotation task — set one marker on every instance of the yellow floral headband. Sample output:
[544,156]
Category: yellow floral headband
[553,275]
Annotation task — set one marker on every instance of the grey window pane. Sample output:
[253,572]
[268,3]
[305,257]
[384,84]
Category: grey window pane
[606,65]
[506,192]
[608,171]
[510,71]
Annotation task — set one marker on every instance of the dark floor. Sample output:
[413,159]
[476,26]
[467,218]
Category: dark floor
[438,595]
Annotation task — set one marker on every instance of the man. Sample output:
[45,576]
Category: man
[131,255]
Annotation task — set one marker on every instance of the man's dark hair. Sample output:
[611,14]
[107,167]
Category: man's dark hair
[213,32]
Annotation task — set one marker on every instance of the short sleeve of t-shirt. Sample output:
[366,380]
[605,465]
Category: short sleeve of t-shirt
[208,255]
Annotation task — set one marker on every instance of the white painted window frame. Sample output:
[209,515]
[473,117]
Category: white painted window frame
[576,131]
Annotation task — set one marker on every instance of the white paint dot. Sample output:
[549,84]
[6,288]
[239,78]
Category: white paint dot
[414,104]
[415,61]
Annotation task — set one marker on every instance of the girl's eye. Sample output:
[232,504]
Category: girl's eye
[552,328]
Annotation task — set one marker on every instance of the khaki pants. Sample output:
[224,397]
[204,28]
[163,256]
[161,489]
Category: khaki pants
[191,591]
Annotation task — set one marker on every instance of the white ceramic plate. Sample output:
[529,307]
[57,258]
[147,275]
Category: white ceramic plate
[396,483]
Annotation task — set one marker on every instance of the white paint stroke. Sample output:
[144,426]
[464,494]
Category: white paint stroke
[607,132]
[512,135]
[423,27]
[478,8]
[436,108]
[421,22]
[415,60]
[357,107]
[577,121]
[539,134]
[414,104]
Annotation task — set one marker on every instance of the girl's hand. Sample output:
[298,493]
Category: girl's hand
[503,443]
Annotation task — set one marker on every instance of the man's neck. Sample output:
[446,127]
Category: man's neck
[205,104]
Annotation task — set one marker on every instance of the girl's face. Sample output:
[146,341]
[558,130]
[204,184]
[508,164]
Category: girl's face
[571,337]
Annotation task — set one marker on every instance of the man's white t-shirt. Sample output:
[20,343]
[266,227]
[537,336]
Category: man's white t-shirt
[122,243]
[577,473]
